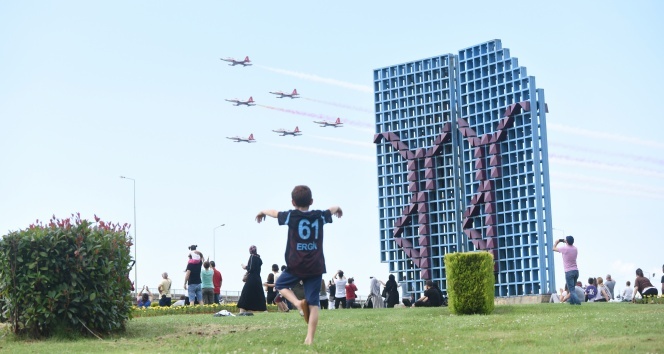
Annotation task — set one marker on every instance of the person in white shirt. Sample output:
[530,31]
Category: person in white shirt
[179,302]
[628,292]
[340,296]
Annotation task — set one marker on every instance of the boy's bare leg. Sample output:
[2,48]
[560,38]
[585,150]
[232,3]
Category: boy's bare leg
[313,323]
[313,313]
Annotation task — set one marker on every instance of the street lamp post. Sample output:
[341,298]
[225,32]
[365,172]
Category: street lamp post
[214,242]
[135,264]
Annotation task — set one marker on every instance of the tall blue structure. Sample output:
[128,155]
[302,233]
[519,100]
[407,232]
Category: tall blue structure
[462,165]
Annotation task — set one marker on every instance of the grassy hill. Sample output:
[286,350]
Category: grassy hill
[600,327]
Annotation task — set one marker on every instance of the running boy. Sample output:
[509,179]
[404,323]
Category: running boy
[304,253]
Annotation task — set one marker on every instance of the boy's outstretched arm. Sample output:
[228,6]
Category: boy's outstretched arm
[335,210]
[261,216]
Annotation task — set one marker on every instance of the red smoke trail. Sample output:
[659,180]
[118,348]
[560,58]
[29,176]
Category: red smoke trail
[317,115]
[359,109]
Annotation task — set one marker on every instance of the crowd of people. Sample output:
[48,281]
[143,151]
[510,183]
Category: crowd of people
[300,284]
[596,290]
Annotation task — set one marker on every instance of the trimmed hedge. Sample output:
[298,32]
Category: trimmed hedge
[470,283]
[68,275]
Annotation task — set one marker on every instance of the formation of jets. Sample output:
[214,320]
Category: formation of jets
[233,62]
[324,123]
[285,132]
[249,102]
[280,94]
[239,139]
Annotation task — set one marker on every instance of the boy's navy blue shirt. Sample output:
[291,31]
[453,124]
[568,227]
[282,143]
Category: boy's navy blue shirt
[304,250]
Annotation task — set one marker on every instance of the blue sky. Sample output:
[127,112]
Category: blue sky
[90,91]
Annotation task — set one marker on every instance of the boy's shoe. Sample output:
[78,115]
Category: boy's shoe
[305,310]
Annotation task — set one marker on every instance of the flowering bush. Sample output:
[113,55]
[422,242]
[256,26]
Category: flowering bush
[188,310]
[70,274]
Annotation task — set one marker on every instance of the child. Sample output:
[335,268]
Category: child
[304,253]
[195,257]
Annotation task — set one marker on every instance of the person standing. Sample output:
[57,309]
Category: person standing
[207,284]
[304,253]
[569,253]
[610,284]
[217,280]
[662,280]
[324,302]
[340,286]
[269,284]
[350,293]
[333,291]
[374,292]
[392,291]
[164,290]
[193,278]
[252,297]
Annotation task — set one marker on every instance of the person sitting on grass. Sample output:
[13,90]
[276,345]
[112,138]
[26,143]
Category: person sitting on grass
[430,298]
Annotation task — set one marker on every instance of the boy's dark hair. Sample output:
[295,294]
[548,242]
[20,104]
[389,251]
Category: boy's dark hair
[212,264]
[430,284]
[350,280]
[591,281]
[145,297]
[341,274]
[301,196]
[275,267]
[206,264]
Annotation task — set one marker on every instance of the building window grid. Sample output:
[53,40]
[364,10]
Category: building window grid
[485,95]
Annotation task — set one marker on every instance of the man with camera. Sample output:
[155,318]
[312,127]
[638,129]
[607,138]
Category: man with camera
[569,252]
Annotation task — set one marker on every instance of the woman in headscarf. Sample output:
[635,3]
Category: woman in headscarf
[376,298]
[252,297]
[392,290]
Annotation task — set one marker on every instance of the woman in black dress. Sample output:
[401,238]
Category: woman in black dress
[252,297]
[392,291]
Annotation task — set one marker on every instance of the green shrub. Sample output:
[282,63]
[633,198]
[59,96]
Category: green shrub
[68,275]
[470,282]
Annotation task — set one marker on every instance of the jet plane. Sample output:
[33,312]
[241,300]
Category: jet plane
[284,132]
[337,123]
[233,62]
[280,94]
[238,139]
[249,102]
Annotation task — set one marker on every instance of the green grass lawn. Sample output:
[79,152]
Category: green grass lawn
[600,327]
